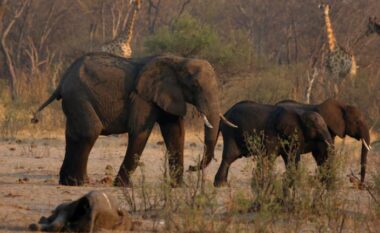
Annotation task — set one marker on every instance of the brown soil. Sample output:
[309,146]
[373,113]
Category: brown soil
[29,174]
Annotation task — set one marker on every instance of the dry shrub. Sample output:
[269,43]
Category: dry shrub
[293,201]
[307,200]
[33,90]
[268,85]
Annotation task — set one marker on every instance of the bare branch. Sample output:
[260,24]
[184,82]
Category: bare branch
[50,24]
[7,52]
[153,16]
[182,9]
[187,2]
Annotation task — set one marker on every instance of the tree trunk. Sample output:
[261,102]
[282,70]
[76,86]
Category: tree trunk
[11,70]
[7,53]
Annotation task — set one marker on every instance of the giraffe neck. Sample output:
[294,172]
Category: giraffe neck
[126,35]
[330,32]
[354,66]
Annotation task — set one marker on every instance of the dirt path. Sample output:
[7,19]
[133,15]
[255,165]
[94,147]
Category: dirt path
[29,174]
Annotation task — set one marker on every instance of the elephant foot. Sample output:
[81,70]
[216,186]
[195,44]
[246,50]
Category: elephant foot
[73,181]
[122,182]
[219,184]
[176,183]
[194,168]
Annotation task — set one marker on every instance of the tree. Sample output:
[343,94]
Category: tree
[17,12]
[189,37]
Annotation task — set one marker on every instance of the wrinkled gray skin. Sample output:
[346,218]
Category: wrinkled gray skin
[93,212]
[342,120]
[277,124]
[103,94]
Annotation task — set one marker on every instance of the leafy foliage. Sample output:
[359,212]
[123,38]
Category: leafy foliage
[187,36]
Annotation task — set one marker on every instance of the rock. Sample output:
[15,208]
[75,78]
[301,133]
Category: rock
[23,180]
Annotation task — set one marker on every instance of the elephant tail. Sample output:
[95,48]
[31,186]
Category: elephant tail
[55,96]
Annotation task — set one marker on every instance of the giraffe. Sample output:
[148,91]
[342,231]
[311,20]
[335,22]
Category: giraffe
[121,45]
[339,62]
[373,26]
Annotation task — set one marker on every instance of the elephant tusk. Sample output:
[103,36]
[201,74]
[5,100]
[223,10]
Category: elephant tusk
[366,145]
[327,143]
[207,123]
[227,122]
[107,199]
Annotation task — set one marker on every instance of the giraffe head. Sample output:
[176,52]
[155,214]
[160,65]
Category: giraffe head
[325,7]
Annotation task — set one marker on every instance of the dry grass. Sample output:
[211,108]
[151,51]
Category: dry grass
[307,206]
[29,176]
[33,89]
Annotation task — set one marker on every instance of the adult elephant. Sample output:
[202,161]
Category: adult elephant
[273,125]
[342,120]
[103,94]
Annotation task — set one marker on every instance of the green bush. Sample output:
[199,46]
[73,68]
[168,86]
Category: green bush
[189,37]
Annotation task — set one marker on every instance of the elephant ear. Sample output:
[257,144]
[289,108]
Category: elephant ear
[332,112]
[287,123]
[158,83]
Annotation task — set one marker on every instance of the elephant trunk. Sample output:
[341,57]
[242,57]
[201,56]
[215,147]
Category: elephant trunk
[365,148]
[210,139]
[328,139]
[211,131]
[57,225]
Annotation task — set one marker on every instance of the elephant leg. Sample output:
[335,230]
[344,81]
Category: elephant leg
[296,161]
[284,157]
[136,145]
[81,133]
[173,132]
[230,154]
[74,167]
[320,154]
[291,167]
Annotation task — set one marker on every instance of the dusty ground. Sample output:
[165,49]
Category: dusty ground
[29,174]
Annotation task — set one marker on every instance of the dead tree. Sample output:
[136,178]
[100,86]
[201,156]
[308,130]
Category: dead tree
[153,12]
[5,49]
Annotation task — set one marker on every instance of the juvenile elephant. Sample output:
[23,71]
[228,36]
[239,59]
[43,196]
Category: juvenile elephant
[103,94]
[277,125]
[342,120]
[93,212]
